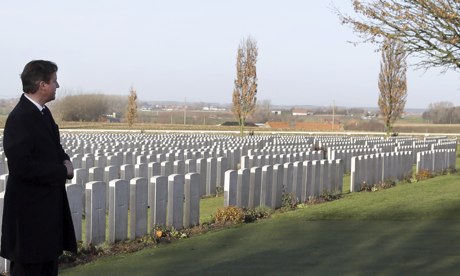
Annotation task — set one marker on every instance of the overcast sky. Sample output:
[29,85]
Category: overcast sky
[186,50]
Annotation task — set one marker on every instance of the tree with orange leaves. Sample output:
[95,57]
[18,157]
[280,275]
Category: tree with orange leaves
[131,109]
[245,91]
[392,82]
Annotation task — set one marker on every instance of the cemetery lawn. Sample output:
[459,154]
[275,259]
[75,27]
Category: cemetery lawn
[413,228]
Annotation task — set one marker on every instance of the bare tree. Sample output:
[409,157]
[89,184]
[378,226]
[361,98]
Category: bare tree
[245,91]
[392,82]
[429,29]
[442,113]
[131,110]
[262,111]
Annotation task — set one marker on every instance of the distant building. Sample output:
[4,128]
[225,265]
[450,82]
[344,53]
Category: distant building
[301,112]
[212,108]
[111,118]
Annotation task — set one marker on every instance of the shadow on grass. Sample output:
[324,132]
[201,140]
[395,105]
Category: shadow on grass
[296,246]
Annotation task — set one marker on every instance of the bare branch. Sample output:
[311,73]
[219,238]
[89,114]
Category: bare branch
[429,29]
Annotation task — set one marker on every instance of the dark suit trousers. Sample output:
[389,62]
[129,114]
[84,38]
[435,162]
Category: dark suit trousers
[38,269]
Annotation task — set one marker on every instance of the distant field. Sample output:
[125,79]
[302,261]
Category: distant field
[210,122]
[426,128]
[406,128]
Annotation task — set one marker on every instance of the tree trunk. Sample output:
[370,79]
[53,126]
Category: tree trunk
[241,127]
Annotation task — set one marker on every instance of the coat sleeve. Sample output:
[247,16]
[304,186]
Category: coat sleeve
[29,157]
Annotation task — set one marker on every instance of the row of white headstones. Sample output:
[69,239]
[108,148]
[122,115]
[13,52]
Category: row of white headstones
[159,183]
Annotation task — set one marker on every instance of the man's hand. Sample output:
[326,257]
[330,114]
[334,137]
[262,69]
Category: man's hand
[69,167]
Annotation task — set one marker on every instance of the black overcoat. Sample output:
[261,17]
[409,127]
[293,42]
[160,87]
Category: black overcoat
[37,224]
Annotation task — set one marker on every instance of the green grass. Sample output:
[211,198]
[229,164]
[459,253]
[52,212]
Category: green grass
[409,229]
[208,206]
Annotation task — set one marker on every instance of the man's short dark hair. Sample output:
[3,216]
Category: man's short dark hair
[36,71]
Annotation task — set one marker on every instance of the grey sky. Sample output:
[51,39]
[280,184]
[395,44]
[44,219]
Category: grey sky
[177,49]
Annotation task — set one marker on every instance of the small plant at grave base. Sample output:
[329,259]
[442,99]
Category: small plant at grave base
[303,205]
[387,183]
[312,200]
[89,249]
[229,215]
[423,175]
[219,191]
[329,196]
[288,201]
[260,212]
[164,234]
[85,253]
[451,171]
[365,187]
[448,171]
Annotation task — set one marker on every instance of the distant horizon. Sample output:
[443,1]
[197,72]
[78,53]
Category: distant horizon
[274,105]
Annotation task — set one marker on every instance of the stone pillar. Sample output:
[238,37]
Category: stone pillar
[190,166]
[4,263]
[277,190]
[161,157]
[76,161]
[158,199]
[111,173]
[315,178]
[221,168]
[288,177]
[340,171]
[242,190]
[154,169]
[138,198]
[230,187]
[245,162]
[127,171]
[100,161]
[87,161]
[179,167]
[3,182]
[80,176]
[141,170]
[306,181]
[266,185]
[128,157]
[254,187]
[166,168]
[96,174]
[201,167]
[211,176]
[95,212]
[324,182]
[297,180]
[192,200]
[175,213]
[118,210]
[74,194]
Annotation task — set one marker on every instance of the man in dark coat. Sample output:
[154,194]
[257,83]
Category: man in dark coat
[37,224]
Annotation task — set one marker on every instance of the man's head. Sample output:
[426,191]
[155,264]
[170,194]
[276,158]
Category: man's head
[36,71]
[40,76]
